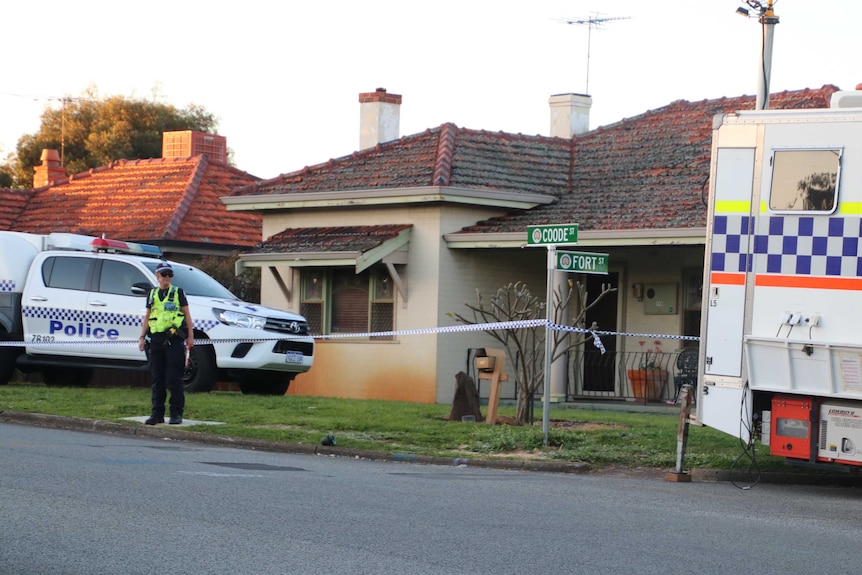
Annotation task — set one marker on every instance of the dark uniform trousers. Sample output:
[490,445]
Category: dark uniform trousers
[167,363]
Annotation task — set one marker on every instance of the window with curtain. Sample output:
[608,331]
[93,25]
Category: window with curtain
[338,300]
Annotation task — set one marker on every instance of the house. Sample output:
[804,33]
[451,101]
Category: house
[400,234]
[172,202]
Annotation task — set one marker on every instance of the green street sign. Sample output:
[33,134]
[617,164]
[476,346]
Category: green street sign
[583,263]
[559,234]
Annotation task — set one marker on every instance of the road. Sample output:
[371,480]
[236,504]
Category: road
[79,503]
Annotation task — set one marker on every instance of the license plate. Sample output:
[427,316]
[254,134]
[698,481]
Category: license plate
[293,357]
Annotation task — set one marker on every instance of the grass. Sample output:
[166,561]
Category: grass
[599,438]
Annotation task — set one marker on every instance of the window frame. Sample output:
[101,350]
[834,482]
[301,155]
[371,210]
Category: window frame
[324,299]
[784,170]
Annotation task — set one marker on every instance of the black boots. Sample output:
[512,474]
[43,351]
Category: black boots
[175,419]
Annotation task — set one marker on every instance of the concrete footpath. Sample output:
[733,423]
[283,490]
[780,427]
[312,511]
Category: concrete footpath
[177,433]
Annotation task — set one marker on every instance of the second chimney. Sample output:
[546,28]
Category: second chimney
[50,170]
[379,116]
[570,115]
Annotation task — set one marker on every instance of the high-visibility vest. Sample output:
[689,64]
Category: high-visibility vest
[165,314]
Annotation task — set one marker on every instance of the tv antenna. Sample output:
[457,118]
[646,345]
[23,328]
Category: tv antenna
[591,22]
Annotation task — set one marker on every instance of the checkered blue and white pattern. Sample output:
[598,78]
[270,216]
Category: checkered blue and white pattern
[729,243]
[99,317]
[75,315]
[792,245]
[7,285]
[205,324]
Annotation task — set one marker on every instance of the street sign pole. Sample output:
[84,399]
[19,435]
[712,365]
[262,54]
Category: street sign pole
[546,407]
[550,236]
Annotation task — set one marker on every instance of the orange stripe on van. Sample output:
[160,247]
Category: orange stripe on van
[726,278]
[815,282]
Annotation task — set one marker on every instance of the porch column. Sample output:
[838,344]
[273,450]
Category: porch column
[560,368]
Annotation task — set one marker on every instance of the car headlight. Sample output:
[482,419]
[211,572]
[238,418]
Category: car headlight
[238,319]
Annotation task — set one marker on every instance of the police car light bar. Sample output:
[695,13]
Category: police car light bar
[104,245]
[81,243]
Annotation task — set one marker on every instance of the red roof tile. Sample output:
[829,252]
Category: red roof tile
[12,205]
[646,172]
[443,156]
[146,200]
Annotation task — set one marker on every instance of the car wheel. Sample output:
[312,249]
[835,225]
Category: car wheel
[201,372]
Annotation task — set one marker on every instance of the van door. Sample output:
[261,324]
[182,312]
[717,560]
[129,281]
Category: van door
[54,305]
[729,252]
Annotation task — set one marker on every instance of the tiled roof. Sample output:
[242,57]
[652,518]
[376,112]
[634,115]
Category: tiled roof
[648,171]
[12,205]
[336,239]
[443,156]
[146,200]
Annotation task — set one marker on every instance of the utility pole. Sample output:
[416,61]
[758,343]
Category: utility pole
[590,22]
[768,20]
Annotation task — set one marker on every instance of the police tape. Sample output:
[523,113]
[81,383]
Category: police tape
[46,341]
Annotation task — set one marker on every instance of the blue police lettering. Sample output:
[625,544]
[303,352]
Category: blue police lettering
[82,330]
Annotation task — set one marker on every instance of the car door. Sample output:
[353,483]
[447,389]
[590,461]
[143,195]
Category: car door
[114,312]
[54,305]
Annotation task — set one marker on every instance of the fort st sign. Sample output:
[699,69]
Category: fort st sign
[581,262]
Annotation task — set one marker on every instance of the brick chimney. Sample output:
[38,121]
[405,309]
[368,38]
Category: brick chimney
[570,115]
[50,170]
[379,116]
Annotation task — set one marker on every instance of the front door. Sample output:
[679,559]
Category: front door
[599,368]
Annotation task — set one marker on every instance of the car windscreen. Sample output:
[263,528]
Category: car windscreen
[194,281]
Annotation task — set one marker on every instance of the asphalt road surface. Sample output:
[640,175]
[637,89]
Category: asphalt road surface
[80,503]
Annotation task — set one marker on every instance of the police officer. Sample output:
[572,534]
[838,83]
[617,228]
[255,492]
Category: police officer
[162,337]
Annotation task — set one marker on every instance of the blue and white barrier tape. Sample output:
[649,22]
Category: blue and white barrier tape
[520,324]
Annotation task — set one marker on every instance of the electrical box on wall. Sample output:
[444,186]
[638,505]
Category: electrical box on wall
[660,299]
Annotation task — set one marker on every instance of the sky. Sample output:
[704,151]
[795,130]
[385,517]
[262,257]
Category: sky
[284,77]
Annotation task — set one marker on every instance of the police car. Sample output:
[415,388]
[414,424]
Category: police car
[76,303]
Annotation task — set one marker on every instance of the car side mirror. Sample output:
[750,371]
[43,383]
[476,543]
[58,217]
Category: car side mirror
[141,288]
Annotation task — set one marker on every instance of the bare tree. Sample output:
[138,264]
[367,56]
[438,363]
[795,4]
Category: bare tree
[525,346]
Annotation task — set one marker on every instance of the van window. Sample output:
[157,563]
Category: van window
[805,180]
[66,272]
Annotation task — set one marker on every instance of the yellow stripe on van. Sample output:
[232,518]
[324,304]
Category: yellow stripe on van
[733,207]
[850,208]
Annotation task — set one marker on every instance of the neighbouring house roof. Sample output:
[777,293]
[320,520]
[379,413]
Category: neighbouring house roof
[12,205]
[645,172]
[156,200]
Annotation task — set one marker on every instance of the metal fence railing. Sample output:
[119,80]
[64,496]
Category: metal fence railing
[644,376]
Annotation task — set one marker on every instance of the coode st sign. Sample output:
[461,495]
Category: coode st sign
[559,234]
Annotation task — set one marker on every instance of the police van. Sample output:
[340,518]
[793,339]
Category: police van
[71,303]
[781,344]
